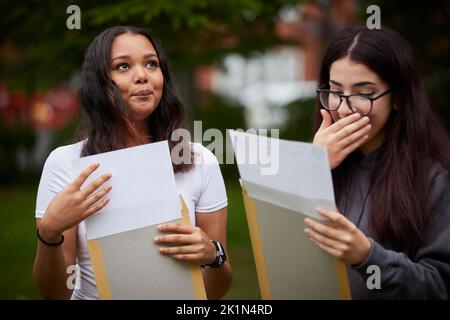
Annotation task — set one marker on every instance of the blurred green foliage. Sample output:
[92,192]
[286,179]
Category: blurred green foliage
[18,242]
[39,50]
[299,120]
[13,140]
[221,113]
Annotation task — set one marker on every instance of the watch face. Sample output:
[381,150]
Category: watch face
[221,253]
[220,256]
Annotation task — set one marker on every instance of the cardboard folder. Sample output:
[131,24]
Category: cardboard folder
[128,265]
[288,264]
[283,182]
[126,262]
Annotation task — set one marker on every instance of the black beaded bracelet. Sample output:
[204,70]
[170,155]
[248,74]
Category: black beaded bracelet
[48,243]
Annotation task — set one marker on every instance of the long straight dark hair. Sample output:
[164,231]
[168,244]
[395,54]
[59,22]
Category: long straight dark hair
[400,206]
[104,122]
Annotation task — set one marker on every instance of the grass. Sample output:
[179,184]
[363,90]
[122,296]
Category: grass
[18,244]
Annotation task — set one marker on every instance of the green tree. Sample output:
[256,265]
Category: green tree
[38,49]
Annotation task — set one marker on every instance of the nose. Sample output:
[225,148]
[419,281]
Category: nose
[344,110]
[140,76]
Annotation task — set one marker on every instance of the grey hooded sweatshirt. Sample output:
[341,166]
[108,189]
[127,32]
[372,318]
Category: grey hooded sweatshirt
[423,274]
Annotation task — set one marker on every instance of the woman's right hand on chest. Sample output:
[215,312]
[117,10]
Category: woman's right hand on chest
[72,204]
[342,137]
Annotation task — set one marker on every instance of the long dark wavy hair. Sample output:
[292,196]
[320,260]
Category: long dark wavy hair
[103,112]
[400,205]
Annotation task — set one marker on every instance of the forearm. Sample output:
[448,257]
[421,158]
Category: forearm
[49,273]
[49,270]
[217,280]
[402,278]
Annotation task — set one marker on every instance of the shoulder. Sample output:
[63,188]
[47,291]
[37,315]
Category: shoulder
[438,173]
[439,178]
[203,155]
[206,165]
[70,151]
[56,174]
[211,193]
[61,157]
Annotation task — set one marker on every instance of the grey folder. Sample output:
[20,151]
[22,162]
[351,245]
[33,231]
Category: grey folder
[137,271]
[289,265]
[283,182]
[128,265]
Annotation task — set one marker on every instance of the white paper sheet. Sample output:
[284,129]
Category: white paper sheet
[143,189]
[293,175]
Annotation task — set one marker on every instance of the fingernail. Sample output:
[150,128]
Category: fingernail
[306,230]
[156,239]
[161,226]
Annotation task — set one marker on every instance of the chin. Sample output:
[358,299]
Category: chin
[141,116]
[141,113]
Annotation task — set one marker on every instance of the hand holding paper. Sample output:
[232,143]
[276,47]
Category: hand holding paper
[189,243]
[72,204]
[341,239]
[126,262]
[289,265]
[144,191]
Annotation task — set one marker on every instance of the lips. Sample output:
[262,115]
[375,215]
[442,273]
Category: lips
[142,93]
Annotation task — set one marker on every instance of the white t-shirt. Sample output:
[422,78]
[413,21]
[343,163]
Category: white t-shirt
[202,188]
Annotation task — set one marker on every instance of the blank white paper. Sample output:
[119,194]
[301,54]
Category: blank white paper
[143,190]
[300,176]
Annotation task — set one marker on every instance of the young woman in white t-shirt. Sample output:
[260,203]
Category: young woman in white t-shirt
[127,98]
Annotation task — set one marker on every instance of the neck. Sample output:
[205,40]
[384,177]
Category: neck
[141,134]
[142,128]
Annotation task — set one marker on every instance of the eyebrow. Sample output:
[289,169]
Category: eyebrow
[358,84]
[148,55]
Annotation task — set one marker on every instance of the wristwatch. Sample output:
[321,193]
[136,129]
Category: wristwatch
[221,257]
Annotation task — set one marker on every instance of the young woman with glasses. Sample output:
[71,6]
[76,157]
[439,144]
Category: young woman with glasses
[390,158]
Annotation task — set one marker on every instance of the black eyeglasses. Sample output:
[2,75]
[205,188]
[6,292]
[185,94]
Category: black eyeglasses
[359,103]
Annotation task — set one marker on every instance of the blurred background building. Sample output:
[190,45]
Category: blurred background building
[269,80]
